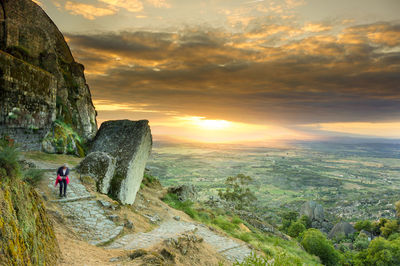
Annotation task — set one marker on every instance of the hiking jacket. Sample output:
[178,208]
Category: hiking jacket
[60,175]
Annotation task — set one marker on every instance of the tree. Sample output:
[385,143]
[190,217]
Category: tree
[315,242]
[398,209]
[389,228]
[237,191]
[363,225]
[306,221]
[288,217]
[296,228]
[361,242]
[380,252]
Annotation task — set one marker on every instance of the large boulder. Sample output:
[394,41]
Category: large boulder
[342,229]
[312,210]
[129,142]
[100,166]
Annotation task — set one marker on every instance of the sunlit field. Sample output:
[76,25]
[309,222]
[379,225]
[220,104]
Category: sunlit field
[352,181]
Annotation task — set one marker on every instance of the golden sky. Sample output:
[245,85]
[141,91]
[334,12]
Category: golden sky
[230,70]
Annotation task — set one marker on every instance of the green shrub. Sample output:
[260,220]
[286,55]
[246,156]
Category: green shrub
[361,242]
[315,242]
[380,252]
[304,219]
[279,259]
[389,228]
[185,206]
[237,191]
[33,176]
[224,224]
[9,156]
[296,228]
[363,225]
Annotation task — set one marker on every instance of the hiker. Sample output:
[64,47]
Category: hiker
[62,178]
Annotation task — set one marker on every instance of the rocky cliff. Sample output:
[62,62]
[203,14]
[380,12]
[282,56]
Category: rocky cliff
[40,81]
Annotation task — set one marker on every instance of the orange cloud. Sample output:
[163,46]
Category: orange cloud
[130,5]
[88,11]
[315,27]
[159,3]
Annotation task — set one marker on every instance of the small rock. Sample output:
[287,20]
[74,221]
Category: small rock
[177,218]
[113,217]
[104,203]
[128,224]
[115,259]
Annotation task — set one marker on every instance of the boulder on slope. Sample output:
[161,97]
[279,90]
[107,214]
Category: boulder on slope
[100,166]
[341,229]
[312,210]
[129,142]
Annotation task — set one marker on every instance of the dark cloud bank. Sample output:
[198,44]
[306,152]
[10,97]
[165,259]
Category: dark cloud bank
[353,75]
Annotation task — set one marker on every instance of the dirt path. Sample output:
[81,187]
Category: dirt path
[229,248]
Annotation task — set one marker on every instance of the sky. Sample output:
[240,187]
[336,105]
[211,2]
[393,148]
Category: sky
[240,70]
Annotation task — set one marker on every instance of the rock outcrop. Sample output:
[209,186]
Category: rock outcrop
[315,212]
[129,142]
[342,229]
[184,192]
[39,78]
[312,210]
[101,167]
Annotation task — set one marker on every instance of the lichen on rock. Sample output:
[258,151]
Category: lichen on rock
[26,233]
[129,142]
[100,166]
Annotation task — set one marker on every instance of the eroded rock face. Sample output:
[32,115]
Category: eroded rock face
[101,167]
[39,76]
[129,142]
[312,210]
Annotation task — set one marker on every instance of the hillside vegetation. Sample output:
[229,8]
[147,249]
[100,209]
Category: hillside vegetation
[26,233]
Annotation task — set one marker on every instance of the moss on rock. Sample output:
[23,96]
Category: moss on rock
[26,233]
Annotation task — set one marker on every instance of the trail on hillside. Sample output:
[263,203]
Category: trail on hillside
[89,219]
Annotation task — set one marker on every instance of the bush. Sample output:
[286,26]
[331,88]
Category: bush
[398,209]
[380,252]
[33,176]
[9,156]
[361,242]
[315,243]
[389,228]
[363,225]
[237,191]
[296,228]
[224,224]
[306,221]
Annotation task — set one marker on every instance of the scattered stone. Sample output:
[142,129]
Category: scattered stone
[177,218]
[341,229]
[113,217]
[184,192]
[168,255]
[137,253]
[153,219]
[115,259]
[129,142]
[100,166]
[104,203]
[128,224]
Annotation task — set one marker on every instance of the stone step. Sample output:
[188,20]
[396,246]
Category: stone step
[73,199]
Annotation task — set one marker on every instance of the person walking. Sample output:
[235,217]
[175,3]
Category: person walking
[62,178]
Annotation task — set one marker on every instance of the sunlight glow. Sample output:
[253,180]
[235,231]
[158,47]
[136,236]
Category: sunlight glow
[207,124]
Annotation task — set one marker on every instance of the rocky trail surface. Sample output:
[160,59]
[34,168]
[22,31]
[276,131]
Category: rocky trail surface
[92,222]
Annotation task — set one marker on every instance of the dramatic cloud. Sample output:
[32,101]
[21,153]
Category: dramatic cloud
[258,76]
[88,11]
